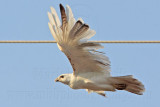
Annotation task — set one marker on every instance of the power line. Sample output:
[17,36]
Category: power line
[48,41]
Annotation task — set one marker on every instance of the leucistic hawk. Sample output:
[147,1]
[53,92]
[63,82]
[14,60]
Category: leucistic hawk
[91,68]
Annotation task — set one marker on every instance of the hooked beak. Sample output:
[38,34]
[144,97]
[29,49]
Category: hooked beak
[56,80]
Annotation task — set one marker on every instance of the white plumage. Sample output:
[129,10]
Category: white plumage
[91,69]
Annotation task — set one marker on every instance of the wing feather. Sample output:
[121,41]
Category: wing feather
[90,45]
[55,16]
[72,41]
[52,31]
[75,28]
[63,16]
[81,30]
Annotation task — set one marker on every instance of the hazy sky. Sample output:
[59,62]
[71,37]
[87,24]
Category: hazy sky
[27,71]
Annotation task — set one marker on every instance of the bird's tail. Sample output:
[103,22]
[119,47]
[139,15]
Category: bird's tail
[127,83]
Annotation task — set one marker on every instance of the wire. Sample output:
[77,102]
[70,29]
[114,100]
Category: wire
[47,41]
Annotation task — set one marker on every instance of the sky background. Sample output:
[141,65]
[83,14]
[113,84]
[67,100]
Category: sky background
[27,71]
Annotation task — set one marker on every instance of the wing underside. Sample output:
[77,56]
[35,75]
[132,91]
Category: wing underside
[71,37]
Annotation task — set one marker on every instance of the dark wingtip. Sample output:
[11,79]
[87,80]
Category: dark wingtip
[86,25]
[79,22]
[61,7]
[63,16]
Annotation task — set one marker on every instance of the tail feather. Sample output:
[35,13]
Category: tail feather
[128,83]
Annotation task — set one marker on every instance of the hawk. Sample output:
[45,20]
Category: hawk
[91,68]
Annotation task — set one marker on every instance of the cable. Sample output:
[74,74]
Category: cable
[48,41]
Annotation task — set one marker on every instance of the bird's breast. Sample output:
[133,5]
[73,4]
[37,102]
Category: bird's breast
[77,83]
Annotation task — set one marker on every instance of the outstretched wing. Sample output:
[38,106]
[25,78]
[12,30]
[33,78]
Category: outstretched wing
[71,37]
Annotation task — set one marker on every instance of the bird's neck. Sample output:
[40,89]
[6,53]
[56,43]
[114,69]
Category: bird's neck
[69,77]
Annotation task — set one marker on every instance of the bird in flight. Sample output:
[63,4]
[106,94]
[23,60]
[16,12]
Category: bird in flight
[91,68]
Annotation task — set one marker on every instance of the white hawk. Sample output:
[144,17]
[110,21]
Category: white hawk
[91,68]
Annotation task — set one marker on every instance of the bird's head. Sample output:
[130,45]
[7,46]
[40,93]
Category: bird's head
[64,78]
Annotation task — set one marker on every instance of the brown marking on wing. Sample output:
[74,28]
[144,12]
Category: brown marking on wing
[71,63]
[102,63]
[75,28]
[89,44]
[81,30]
[63,16]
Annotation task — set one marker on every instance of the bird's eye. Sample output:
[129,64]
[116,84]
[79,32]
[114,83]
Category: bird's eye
[62,76]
